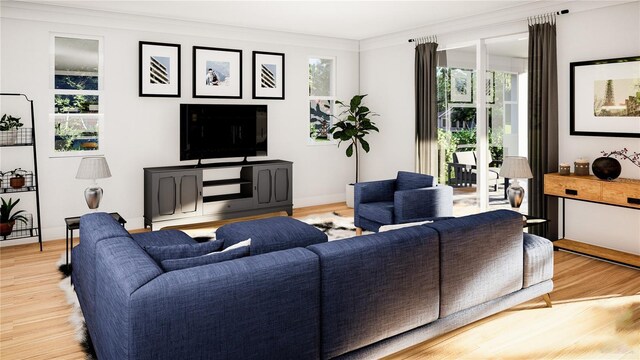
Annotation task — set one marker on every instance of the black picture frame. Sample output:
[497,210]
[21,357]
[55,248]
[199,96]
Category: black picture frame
[454,96]
[491,87]
[277,79]
[587,76]
[226,80]
[146,86]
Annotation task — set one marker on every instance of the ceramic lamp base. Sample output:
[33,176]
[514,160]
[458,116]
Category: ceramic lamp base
[93,195]
[515,192]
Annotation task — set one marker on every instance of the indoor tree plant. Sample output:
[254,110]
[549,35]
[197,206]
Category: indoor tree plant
[7,219]
[9,129]
[353,125]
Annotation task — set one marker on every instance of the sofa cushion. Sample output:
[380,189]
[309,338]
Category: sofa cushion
[481,258]
[211,258]
[162,237]
[409,181]
[377,286]
[271,234]
[161,253]
[380,212]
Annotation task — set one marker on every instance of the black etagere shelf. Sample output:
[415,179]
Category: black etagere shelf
[23,137]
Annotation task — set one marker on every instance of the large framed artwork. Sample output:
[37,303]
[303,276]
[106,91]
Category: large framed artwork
[217,73]
[159,69]
[268,75]
[461,86]
[605,97]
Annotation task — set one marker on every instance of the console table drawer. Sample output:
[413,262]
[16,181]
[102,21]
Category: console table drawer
[621,193]
[573,188]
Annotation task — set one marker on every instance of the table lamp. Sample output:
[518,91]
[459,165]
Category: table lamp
[515,167]
[93,167]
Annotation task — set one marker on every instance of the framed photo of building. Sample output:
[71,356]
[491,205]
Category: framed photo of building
[605,97]
[159,69]
[268,75]
[461,84]
[217,73]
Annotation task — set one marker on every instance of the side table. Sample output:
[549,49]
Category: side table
[73,223]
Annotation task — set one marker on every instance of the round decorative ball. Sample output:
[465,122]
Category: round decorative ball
[606,168]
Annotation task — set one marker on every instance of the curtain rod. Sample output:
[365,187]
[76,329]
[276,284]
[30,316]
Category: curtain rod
[561,12]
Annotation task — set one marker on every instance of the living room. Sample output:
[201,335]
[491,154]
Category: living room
[135,129]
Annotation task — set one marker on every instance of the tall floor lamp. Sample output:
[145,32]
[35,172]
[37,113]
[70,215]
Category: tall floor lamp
[93,167]
[514,168]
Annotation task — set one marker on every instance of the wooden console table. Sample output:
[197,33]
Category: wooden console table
[620,192]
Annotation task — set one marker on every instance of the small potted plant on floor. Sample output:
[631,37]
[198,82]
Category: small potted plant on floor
[7,219]
[16,180]
[352,128]
[9,129]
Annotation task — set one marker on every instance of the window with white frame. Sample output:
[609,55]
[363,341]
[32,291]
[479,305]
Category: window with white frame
[77,117]
[322,97]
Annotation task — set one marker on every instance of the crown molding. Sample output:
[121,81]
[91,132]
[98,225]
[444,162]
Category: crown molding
[503,22]
[105,19]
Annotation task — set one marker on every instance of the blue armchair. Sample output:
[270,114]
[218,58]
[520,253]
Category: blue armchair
[408,198]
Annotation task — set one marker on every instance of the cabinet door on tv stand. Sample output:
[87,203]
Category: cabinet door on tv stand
[176,195]
[282,185]
[190,186]
[263,186]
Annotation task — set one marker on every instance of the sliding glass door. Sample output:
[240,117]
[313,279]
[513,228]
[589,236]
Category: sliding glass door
[481,119]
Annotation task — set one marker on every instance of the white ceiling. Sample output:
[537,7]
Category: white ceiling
[354,20]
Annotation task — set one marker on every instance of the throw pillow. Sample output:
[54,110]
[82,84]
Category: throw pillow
[400,226]
[245,243]
[161,253]
[212,258]
[409,181]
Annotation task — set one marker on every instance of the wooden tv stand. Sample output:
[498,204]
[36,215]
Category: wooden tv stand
[174,195]
[620,192]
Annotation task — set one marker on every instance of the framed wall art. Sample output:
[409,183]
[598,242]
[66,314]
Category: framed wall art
[268,75]
[217,73]
[159,69]
[491,87]
[461,86]
[605,97]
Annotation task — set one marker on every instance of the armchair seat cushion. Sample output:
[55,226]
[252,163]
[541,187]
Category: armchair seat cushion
[381,212]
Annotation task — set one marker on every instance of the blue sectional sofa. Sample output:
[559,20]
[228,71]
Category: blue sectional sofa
[359,298]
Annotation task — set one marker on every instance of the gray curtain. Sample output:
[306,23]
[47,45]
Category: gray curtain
[543,123]
[426,110]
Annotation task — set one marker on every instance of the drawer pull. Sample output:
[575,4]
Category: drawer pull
[571,192]
[633,201]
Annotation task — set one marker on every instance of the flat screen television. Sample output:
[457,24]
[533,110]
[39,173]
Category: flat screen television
[209,131]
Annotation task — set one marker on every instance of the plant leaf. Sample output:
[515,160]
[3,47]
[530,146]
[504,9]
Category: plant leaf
[349,151]
[365,145]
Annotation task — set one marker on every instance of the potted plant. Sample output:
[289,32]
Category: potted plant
[352,128]
[7,219]
[16,180]
[9,129]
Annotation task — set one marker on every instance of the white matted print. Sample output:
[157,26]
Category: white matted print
[461,86]
[159,69]
[605,97]
[268,75]
[217,73]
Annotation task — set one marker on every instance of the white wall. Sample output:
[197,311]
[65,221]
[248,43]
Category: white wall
[605,33]
[592,30]
[143,132]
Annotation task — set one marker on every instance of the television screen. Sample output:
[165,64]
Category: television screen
[222,131]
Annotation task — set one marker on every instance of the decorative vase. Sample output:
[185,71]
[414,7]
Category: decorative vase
[6,228]
[606,168]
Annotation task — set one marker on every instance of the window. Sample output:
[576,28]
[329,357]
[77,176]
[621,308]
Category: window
[322,98]
[77,82]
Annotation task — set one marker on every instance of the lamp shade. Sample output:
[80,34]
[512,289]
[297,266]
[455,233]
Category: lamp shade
[515,167]
[93,167]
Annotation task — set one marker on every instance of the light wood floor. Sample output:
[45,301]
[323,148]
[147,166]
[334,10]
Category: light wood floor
[596,312]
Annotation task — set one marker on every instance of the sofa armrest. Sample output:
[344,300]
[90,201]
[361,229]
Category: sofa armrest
[422,204]
[538,260]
